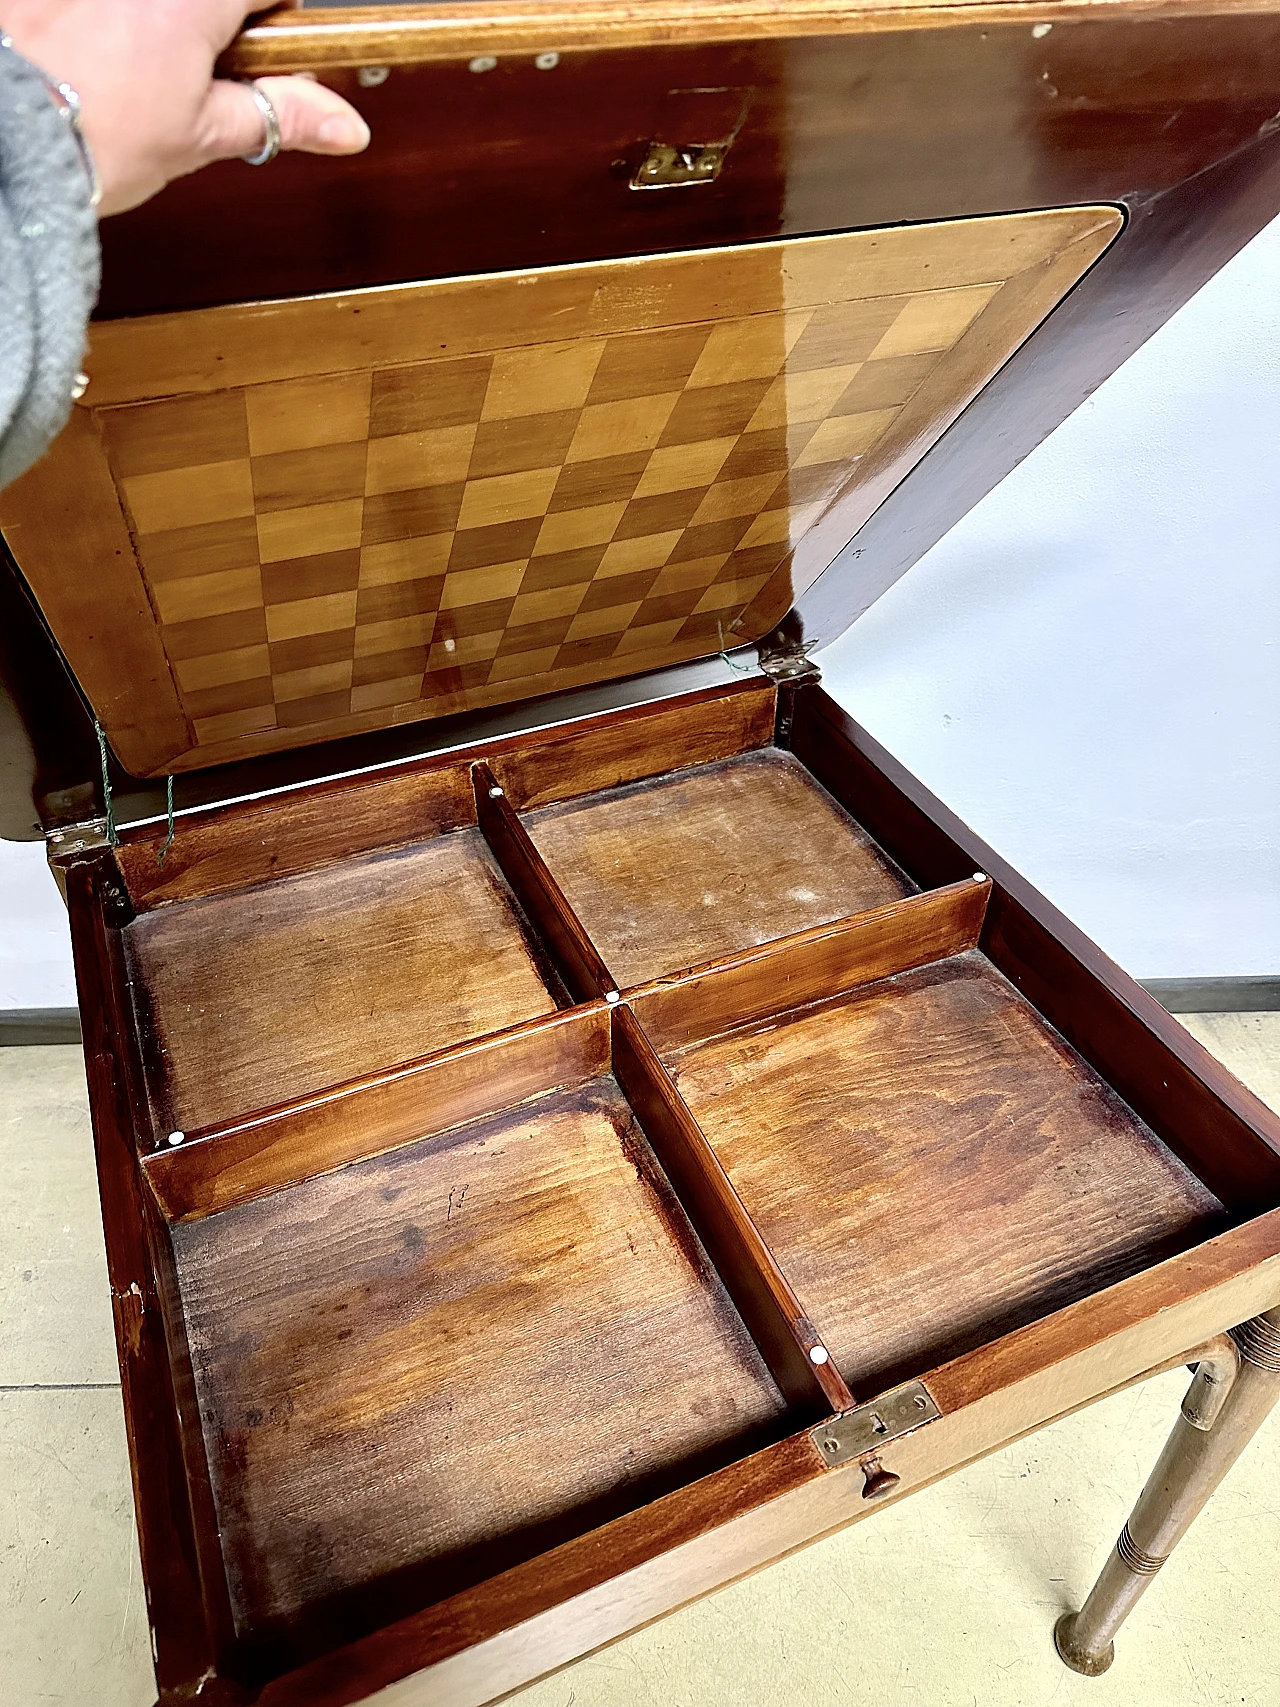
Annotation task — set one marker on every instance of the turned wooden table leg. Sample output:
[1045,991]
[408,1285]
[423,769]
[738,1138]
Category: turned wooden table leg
[1236,1384]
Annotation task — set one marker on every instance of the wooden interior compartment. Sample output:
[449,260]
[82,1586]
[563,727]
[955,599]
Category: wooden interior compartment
[253,997]
[676,870]
[417,1368]
[929,1162]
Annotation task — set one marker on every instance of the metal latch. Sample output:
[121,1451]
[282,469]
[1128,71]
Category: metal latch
[853,1434]
[668,165]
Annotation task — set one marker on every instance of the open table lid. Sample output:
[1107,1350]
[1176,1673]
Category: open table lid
[488,435]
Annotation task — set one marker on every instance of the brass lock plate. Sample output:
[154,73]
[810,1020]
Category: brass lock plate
[868,1427]
[669,165]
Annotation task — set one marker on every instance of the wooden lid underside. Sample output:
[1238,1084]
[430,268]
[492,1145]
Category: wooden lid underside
[273,524]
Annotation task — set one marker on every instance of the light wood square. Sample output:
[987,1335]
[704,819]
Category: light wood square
[844,438]
[406,461]
[555,601]
[650,551]
[808,395]
[208,595]
[611,620]
[934,320]
[404,560]
[229,725]
[774,527]
[394,634]
[317,678]
[244,664]
[754,348]
[320,615]
[732,498]
[571,529]
[617,429]
[514,665]
[507,497]
[308,531]
[541,380]
[652,637]
[725,593]
[679,577]
[465,649]
[679,467]
[190,497]
[299,414]
[372,696]
[481,586]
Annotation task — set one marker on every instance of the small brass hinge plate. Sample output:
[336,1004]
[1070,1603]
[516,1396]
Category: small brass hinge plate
[668,166]
[868,1427]
[77,838]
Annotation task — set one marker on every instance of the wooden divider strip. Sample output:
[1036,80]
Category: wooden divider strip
[774,1316]
[282,1147]
[563,936]
[827,960]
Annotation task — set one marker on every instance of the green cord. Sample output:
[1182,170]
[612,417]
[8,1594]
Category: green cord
[168,841]
[113,839]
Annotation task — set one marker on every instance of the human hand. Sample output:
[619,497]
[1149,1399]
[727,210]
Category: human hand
[151,108]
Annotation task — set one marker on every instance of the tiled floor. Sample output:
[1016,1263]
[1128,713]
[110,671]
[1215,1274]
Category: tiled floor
[947,1599]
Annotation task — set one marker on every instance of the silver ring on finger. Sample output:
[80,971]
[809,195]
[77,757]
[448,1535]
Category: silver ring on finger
[271,142]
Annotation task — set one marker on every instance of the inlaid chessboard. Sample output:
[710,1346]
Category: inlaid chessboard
[370,538]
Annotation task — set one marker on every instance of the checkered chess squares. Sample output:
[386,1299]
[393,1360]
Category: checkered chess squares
[454,532]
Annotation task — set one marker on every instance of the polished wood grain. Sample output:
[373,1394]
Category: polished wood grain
[405,34]
[650,740]
[443,1357]
[68,510]
[1222,1131]
[234,1164]
[486,1642]
[418,501]
[184,1635]
[776,1317]
[260,842]
[932,1167]
[810,966]
[672,872]
[1058,1239]
[944,114]
[273,992]
[575,956]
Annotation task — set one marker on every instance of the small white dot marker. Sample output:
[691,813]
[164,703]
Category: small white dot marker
[612,997]
[818,1354]
[547,61]
[495,793]
[979,877]
[482,62]
[1040,31]
[372,76]
[451,645]
[176,1138]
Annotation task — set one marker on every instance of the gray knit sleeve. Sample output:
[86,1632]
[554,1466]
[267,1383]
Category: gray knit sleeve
[48,266]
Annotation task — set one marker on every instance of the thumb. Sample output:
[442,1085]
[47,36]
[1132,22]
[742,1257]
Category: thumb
[312,119]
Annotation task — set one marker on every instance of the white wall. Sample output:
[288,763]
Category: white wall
[1087,669]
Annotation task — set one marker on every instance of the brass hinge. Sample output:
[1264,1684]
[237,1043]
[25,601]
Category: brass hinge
[77,838]
[866,1428]
[670,166]
[788,662]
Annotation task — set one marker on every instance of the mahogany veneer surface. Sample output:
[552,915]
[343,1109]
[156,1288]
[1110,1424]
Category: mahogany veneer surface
[290,987]
[468,1338]
[669,873]
[932,1166]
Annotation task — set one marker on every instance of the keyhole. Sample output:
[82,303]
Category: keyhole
[878,1423]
